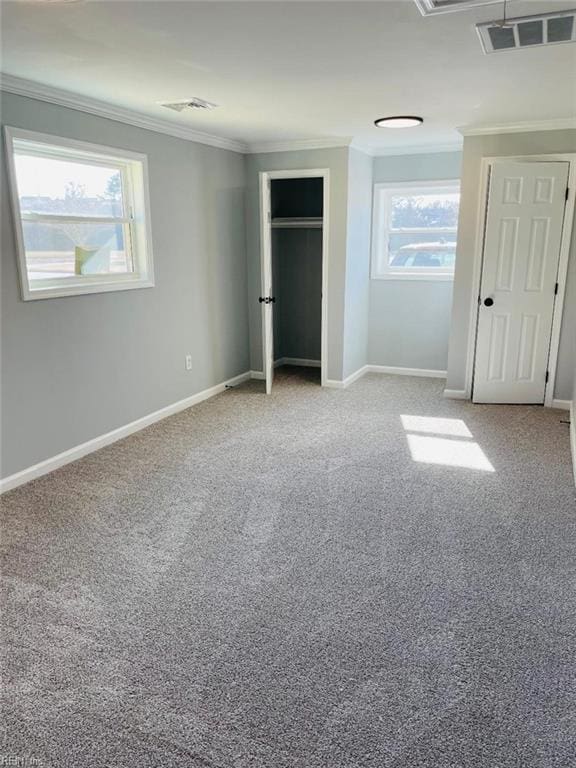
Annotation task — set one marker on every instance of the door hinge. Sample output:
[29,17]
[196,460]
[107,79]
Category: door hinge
[556,289]
[567,193]
[547,376]
[267,299]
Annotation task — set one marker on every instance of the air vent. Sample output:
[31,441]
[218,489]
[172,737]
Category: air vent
[192,103]
[528,31]
[426,7]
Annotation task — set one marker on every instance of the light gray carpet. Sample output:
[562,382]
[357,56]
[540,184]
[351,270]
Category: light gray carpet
[276,583]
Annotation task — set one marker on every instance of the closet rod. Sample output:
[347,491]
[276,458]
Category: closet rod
[297,223]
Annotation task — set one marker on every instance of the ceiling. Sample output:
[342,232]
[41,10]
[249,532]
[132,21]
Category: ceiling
[285,71]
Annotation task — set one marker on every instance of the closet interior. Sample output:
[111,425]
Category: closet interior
[296,229]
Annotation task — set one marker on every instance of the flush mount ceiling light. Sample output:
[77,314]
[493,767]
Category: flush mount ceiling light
[399,121]
[192,103]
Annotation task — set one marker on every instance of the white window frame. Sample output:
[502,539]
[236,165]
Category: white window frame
[383,192]
[134,170]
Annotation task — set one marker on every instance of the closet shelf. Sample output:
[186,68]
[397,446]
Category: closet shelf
[310,222]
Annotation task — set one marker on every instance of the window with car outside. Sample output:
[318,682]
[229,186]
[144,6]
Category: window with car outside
[81,216]
[414,230]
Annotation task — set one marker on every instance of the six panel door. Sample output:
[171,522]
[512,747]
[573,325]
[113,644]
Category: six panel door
[524,219]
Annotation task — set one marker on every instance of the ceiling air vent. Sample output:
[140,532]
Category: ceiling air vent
[426,7]
[192,103]
[528,31]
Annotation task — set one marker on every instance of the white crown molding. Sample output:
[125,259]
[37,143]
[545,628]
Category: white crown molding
[295,145]
[357,144]
[419,149]
[361,146]
[62,98]
[558,124]
[71,100]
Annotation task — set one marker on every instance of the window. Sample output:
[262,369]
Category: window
[81,216]
[414,230]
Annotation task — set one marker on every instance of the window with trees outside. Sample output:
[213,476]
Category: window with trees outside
[414,230]
[81,216]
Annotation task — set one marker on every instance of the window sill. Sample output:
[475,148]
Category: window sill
[427,276]
[54,292]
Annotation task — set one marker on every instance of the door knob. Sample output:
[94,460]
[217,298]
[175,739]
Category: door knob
[488,302]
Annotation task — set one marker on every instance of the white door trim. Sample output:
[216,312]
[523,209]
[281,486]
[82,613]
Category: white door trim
[573,435]
[485,167]
[266,248]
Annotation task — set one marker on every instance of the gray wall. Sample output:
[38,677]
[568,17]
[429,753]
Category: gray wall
[297,281]
[74,368]
[357,262]
[336,160]
[409,320]
[565,377]
[475,148]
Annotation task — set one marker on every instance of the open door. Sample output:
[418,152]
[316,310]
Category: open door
[266,298]
[286,207]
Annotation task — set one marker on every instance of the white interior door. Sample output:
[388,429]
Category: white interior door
[522,238]
[267,297]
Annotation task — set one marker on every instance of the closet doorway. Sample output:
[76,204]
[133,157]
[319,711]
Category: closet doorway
[294,209]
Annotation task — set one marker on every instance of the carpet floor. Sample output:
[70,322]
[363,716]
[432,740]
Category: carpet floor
[373,577]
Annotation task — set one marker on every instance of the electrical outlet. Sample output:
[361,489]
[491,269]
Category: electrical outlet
[188,362]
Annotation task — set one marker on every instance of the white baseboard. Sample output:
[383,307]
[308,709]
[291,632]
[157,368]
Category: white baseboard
[563,405]
[301,361]
[456,394]
[396,371]
[73,454]
[387,369]
[342,384]
[460,394]
[355,376]
[260,375]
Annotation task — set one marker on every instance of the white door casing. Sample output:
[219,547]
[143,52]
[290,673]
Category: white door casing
[267,288]
[266,266]
[522,238]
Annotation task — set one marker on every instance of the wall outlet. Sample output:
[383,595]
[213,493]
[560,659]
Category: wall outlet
[188,362]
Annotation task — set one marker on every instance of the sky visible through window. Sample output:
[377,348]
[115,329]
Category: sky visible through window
[44,177]
[425,211]
[64,247]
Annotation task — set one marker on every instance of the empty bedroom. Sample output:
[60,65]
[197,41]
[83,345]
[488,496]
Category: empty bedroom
[287,383]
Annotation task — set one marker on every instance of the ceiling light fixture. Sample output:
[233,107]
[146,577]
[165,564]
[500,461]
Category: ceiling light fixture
[399,121]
